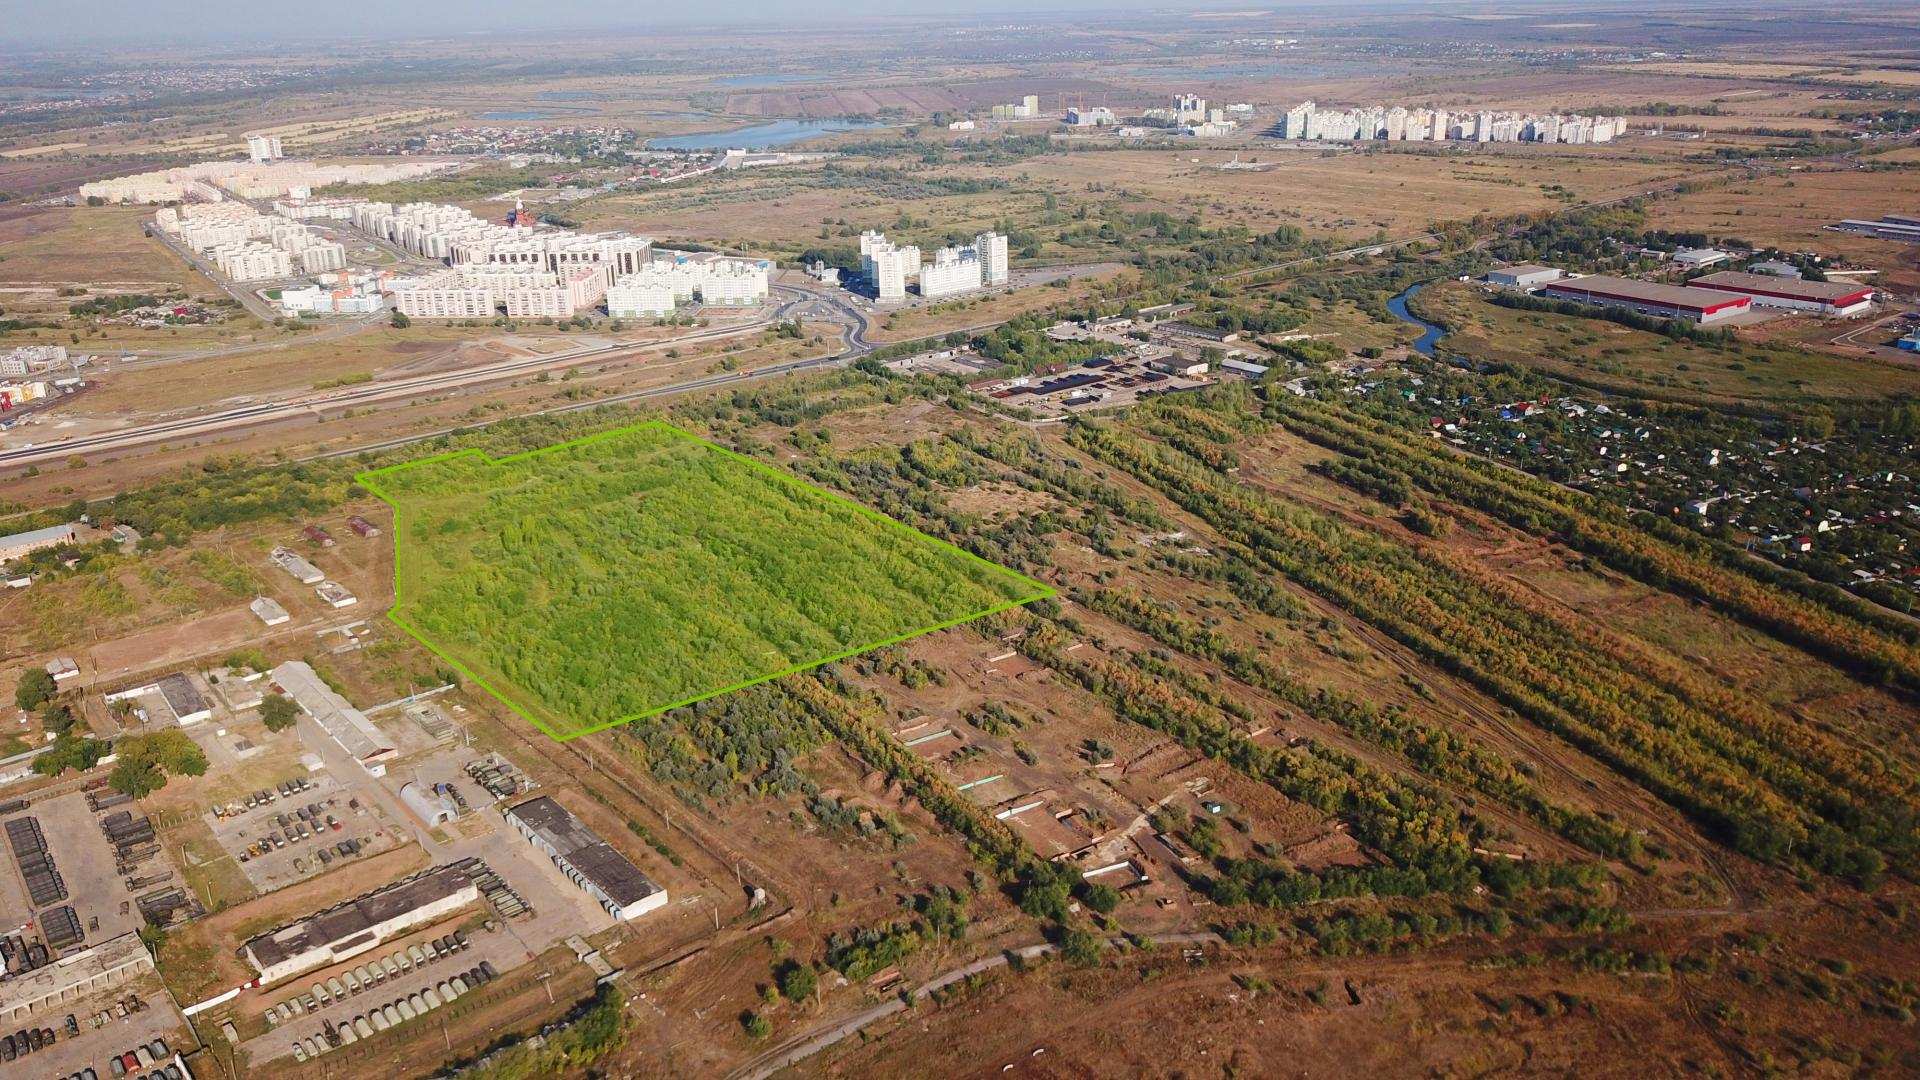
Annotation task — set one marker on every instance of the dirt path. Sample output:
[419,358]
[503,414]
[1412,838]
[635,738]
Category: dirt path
[805,1045]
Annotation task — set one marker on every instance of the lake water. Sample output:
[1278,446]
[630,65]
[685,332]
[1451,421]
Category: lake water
[759,136]
[521,114]
[756,81]
[1398,306]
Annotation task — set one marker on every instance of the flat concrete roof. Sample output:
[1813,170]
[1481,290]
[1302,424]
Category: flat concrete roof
[345,921]
[613,872]
[37,536]
[1525,270]
[182,696]
[1646,292]
[348,725]
[1825,292]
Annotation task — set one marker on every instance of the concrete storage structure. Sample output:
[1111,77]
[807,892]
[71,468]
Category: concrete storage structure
[361,924]
[1524,276]
[1702,306]
[1837,298]
[586,859]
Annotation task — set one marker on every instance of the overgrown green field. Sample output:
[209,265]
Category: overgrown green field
[603,580]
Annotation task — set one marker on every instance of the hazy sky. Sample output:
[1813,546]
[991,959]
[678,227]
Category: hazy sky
[254,20]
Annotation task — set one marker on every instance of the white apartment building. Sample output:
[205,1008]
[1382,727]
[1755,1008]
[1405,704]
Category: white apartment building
[886,266]
[211,181]
[252,262]
[1400,124]
[574,290]
[675,278]
[952,271]
[262,148]
[445,295]
[994,265]
[479,292]
[243,243]
[634,297]
[1098,116]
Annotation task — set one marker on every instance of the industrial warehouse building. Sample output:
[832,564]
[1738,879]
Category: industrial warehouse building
[1842,298]
[587,860]
[1703,306]
[1525,276]
[114,962]
[345,724]
[26,543]
[360,924]
[1889,227]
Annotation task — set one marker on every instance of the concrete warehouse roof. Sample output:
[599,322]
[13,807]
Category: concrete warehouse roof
[1827,292]
[345,921]
[348,725]
[1645,292]
[182,697]
[37,536]
[583,849]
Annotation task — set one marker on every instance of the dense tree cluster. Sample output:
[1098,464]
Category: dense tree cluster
[1775,788]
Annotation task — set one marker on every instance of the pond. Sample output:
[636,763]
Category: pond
[759,136]
[760,81]
[521,114]
[1398,305]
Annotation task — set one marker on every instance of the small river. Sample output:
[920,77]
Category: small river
[1431,333]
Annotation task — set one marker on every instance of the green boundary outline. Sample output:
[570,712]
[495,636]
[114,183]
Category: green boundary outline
[369,481]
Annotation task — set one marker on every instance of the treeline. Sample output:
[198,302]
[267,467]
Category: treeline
[746,742]
[1043,889]
[1212,259]
[113,305]
[1437,752]
[1825,620]
[1776,790]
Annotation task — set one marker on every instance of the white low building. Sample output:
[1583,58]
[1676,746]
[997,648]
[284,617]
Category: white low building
[363,923]
[586,860]
[345,724]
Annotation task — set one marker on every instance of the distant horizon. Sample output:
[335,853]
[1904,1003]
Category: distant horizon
[170,23]
[173,22]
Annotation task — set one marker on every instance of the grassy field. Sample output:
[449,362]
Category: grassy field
[1343,196]
[100,246]
[603,580]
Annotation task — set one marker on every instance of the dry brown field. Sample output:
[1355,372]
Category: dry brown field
[1791,210]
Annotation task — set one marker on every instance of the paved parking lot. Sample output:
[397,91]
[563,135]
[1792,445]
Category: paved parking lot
[298,857]
[93,1046]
